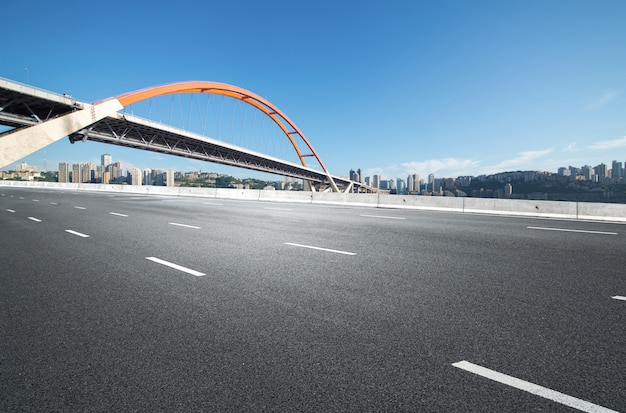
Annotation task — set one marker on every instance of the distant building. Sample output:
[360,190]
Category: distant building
[353,175]
[431,183]
[413,184]
[376,181]
[134,176]
[88,172]
[400,187]
[508,190]
[76,173]
[64,173]
[618,170]
[106,160]
[169,180]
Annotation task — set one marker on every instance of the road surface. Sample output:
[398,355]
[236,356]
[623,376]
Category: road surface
[114,302]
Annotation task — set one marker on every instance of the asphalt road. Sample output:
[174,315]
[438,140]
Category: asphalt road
[287,307]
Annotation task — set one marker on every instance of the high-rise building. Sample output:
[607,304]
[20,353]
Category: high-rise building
[354,176]
[88,172]
[134,176]
[147,177]
[76,173]
[401,187]
[431,182]
[169,181]
[64,173]
[106,160]
[376,181]
[618,170]
[413,184]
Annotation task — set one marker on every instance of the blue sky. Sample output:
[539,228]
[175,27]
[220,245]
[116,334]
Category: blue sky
[395,87]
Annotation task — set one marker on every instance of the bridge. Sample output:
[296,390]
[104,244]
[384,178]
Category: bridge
[37,118]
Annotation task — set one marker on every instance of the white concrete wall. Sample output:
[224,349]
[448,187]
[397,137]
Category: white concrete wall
[286,196]
[433,203]
[597,211]
[549,209]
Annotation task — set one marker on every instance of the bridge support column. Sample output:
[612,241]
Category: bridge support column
[21,142]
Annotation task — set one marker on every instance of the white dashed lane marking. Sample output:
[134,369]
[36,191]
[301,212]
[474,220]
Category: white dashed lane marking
[535,389]
[619,297]
[80,207]
[320,249]
[79,234]
[118,214]
[176,266]
[34,219]
[381,216]
[573,230]
[184,225]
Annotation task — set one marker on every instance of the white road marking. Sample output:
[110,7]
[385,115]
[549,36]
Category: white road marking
[185,225]
[212,203]
[10,210]
[176,266]
[21,197]
[279,209]
[619,297]
[320,249]
[535,389]
[53,203]
[34,219]
[77,233]
[35,200]
[79,207]
[573,230]
[118,214]
[381,216]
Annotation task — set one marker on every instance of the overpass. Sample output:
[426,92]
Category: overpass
[39,118]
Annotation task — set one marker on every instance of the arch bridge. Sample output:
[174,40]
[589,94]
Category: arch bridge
[39,118]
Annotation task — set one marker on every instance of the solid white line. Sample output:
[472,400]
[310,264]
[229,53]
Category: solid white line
[320,249]
[535,389]
[117,214]
[278,209]
[381,216]
[176,266]
[77,233]
[34,219]
[79,207]
[573,230]
[619,297]
[10,210]
[185,225]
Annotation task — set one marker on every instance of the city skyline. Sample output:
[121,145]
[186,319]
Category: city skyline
[456,88]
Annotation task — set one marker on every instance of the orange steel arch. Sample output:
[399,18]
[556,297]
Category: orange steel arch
[236,92]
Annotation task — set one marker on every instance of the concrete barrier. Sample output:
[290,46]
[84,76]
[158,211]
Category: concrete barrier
[548,209]
[241,194]
[334,198]
[433,203]
[602,212]
[285,196]
[197,192]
